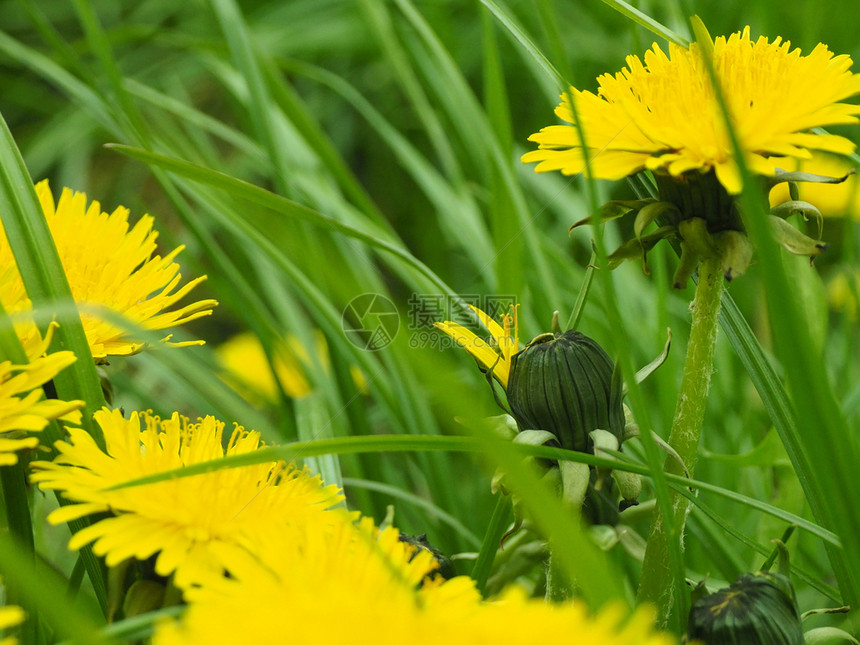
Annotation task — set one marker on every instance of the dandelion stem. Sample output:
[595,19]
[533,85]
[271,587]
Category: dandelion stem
[558,585]
[657,585]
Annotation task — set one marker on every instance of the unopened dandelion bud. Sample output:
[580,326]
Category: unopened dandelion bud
[757,609]
[563,383]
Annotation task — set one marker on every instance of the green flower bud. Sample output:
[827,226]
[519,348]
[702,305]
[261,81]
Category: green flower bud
[757,609]
[563,383]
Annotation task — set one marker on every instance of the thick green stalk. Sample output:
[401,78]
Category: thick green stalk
[558,585]
[657,585]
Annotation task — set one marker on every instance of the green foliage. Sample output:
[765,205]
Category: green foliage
[312,151]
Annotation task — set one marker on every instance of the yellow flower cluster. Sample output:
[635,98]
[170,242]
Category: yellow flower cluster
[298,563]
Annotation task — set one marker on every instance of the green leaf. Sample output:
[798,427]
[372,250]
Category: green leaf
[638,247]
[614,209]
[793,240]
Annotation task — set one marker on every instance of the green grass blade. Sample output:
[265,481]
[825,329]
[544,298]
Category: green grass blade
[488,157]
[43,593]
[469,444]
[49,70]
[411,498]
[490,545]
[260,104]
[833,447]
[44,278]
[519,34]
[728,527]
[647,21]
[381,22]
[772,392]
[262,197]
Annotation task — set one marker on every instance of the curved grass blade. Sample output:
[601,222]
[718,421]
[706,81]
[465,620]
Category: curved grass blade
[43,594]
[411,498]
[244,190]
[727,526]
[647,21]
[512,26]
[469,444]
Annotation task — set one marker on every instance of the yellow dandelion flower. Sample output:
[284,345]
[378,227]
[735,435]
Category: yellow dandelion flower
[297,579]
[192,522]
[10,617]
[372,580]
[16,303]
[662,114]
[245,363]
[515,618]
[244,358]
[23,407]
[110,264]
[495,358]
[843,290]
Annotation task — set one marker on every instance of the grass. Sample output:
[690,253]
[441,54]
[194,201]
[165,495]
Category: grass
[312,151]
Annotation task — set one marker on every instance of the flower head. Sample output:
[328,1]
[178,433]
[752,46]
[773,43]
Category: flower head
[23,406]
[363,574]
[109,264]
[663,115]
[495,358]
[10,616]
[193,523]
[369,580]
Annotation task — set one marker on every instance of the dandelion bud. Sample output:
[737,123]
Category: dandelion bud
[757,609]
[563,383]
